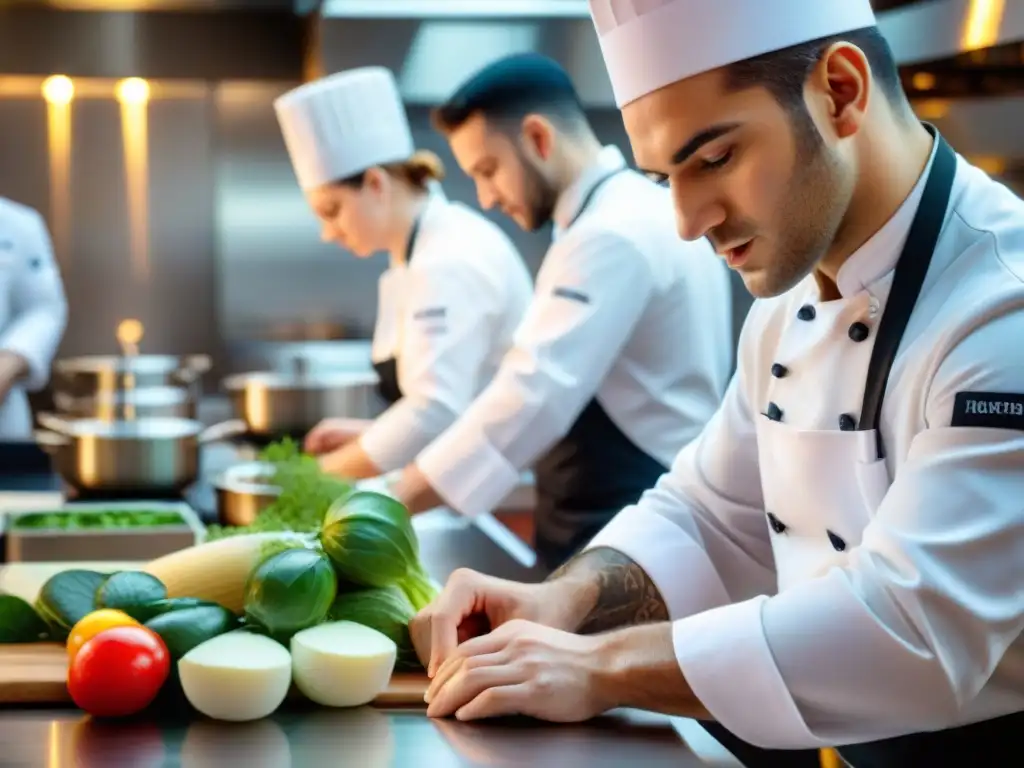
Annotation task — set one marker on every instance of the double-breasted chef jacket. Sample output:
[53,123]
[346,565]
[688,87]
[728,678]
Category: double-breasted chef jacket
[445,318]
[822,595]
[33,309]
[624,354]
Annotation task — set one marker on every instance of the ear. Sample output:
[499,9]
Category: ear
[375,181]
[842,82]
[538,135]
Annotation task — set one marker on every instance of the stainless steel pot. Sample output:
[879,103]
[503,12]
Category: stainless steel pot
[149,402]
[243,491]
[84,376]
[151,454]
[278,403]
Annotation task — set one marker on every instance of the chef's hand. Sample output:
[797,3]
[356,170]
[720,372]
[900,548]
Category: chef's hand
[521,668]
[470,605]
[329,435]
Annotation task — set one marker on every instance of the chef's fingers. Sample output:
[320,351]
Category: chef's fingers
[456,664]
[457,600]
[314,442]
[419,633]
[511,699]
[470,681]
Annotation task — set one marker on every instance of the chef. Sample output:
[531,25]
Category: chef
[838,559]
[33,314]
[454,291]
[627,347]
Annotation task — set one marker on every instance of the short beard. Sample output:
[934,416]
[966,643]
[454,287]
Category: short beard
[810,215]
[539,194]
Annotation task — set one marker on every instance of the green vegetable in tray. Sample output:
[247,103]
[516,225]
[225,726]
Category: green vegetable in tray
[130,591]
[19,622]
[97,520]
[371,542]
[290,591]
[184,629]
[385,609]
[146,612]
[66,597]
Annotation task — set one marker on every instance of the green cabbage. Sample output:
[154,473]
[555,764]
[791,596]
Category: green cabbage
[370,540]
[290,591]
[385,609]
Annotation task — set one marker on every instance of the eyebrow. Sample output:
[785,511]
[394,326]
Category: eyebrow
[706,136]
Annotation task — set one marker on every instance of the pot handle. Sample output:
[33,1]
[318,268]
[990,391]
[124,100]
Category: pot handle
[51,442]
[222,431]
[55,423]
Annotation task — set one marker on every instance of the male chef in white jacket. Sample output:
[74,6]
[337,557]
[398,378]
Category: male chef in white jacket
[626,349]
[838,559]
[33,314]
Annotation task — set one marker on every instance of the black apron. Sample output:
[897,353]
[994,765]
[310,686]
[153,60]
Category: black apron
[588,476]
[986,743]
[387,370]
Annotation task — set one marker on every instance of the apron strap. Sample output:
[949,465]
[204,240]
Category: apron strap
[911,270]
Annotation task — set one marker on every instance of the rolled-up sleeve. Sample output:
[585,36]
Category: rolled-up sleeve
[590,294]
[447,323]
[39,308]
[905,634]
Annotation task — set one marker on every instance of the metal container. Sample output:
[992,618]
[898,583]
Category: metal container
[84,376]
[148,402]
[243,491]
[36,545]
[153,454]
[280,403]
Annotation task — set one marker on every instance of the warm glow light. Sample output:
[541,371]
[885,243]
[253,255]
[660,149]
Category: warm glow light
[58,89]
[932,109]
[134,90]
[923,81]
[984,17]
[129,332]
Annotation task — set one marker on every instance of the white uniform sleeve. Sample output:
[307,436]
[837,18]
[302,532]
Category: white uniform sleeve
[700,534]
[905,635]
[588,299]
[447,312]
[39,306]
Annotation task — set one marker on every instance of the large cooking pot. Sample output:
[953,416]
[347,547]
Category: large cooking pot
[152,454]
[282,403]
[84,376]
[148,402]
[243,491]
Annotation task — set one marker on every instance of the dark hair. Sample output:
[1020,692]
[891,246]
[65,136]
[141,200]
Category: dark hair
[419,170]
[511,88]
[784,73]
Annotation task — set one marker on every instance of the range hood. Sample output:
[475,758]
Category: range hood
[416,38]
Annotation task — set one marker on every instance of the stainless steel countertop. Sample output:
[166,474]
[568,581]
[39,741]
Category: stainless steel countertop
[362,738]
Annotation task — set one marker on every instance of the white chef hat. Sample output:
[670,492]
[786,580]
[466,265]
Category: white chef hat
[340,125]
[648,44]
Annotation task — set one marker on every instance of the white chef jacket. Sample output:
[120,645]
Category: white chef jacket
[447,316]
[33,309]
[623,311]
[916,626]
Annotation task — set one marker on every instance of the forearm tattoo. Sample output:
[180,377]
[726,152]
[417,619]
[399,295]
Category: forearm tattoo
[614,591]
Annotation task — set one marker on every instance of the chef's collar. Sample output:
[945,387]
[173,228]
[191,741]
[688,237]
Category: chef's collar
[878,256]
[609,159]
[436,198]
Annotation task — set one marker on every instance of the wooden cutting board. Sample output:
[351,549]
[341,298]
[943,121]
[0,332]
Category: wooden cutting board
[36,674]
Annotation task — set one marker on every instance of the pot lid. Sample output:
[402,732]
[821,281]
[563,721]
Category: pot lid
[133,363]
[284,380]
[147,428]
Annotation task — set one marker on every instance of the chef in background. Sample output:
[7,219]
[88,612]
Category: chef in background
[838,559]
[627,347]
[33,314]
[454,291]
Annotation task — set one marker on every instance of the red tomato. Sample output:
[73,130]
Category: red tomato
[119,671]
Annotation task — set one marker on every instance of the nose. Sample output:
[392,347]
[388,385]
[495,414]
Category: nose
[695,215]
[485,196]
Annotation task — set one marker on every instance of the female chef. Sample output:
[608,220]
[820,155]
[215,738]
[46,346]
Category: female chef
[455,289]
[33,314]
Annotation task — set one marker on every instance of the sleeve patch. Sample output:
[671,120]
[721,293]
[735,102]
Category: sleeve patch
[432,313]
[997,410]
[572,295]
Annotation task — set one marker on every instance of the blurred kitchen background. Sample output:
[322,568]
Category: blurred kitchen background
[144,131]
